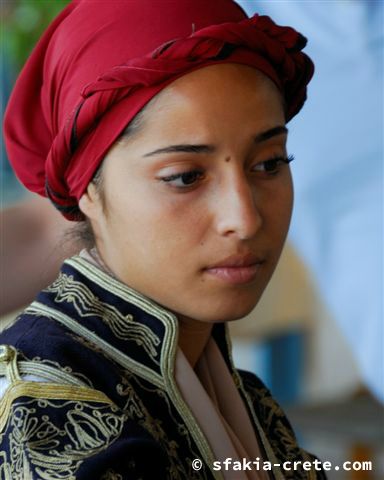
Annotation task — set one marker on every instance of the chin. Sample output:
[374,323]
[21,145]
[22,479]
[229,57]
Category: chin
[230,311]
[233,316]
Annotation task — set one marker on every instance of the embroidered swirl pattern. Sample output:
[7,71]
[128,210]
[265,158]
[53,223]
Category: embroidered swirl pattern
[55,451]
[87,304]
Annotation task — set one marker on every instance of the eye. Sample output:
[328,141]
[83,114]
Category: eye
[272,166]
[184,179]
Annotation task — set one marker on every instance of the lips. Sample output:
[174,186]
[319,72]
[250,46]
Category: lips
[236,269]
[238,261]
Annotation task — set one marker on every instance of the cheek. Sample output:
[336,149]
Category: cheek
[149,220]
[277,210]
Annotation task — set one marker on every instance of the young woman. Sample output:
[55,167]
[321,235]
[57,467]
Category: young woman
[160,126]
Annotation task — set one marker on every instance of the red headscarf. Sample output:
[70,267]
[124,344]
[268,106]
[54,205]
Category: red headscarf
[101,61]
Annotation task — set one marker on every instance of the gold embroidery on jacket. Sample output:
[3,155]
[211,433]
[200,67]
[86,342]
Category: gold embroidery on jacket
[137,411]
[87,304]
[5,467]
[38,390]
[39,362]
[282,439]
[46,372]
[56,451]
[117,355]
[87,343]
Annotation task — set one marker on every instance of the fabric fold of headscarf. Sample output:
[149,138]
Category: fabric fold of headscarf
[60,123]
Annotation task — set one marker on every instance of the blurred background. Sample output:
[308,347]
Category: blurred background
[316,338]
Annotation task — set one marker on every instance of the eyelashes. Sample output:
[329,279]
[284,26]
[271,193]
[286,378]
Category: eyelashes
[187,179]
[271,166]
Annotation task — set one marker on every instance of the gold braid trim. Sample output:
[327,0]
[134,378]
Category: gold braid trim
[51,374]
[141,370]
[48,391]
[167,366]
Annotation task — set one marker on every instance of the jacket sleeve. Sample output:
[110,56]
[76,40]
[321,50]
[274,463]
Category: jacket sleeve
[278,429]
[61,431]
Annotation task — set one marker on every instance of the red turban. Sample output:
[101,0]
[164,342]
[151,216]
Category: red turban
[101,61]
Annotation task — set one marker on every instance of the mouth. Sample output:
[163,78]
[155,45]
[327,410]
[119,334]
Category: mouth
[236,269]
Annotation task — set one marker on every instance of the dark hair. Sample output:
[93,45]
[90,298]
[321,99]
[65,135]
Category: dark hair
[82,233]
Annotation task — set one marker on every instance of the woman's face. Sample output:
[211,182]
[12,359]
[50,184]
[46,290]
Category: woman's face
[197,203]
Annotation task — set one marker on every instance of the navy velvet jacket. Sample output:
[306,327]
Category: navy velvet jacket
[109,407]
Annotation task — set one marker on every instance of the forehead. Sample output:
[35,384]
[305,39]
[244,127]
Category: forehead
[225,75]
[214,81]
[225,92]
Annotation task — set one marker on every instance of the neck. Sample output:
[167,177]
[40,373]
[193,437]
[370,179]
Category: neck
[193,337]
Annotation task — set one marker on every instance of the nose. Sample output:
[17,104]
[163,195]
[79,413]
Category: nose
[238,212]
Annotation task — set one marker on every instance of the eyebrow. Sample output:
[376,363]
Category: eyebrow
[188,148]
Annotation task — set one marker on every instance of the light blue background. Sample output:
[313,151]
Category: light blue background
[337,140]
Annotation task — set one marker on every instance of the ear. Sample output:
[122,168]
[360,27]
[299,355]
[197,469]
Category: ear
[90,203]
